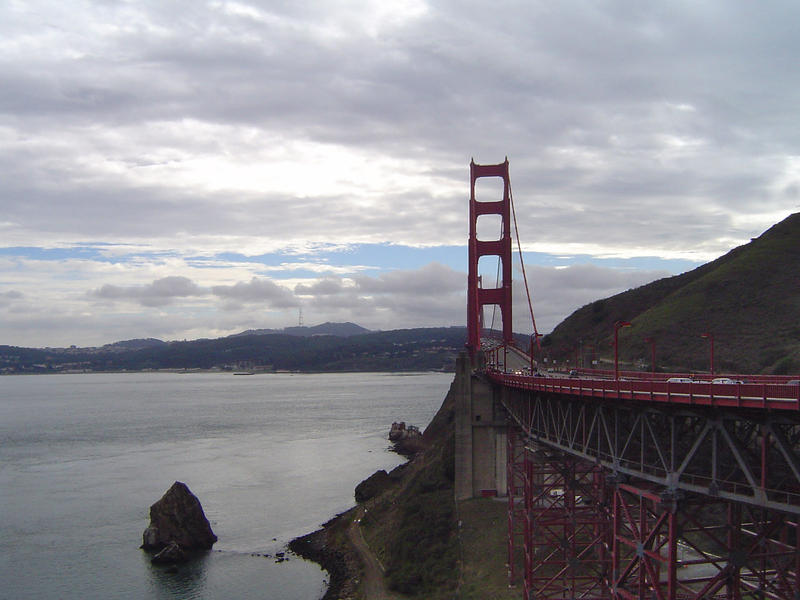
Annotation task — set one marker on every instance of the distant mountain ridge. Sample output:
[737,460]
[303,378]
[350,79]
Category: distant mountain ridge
[339,329]
[315,349]
[748,299]
[328,328]
[136,344]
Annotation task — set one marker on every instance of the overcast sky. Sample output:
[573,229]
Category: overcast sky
[185,169]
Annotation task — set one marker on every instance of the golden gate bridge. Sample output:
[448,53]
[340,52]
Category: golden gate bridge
[626,485]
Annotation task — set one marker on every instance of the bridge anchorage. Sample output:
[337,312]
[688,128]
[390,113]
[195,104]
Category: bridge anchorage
[626,489]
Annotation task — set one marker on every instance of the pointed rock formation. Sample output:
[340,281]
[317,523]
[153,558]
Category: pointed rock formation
[177,521]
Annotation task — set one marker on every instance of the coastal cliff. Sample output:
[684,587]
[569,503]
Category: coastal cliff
[408,538]
[408,524]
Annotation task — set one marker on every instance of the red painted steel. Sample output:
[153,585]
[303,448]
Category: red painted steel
[699,547]
[477,296]
[568,528]
[761,396]
[590,534]
[517,476]
[594,529]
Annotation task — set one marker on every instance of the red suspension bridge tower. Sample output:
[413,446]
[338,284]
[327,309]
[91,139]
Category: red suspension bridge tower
[478,296]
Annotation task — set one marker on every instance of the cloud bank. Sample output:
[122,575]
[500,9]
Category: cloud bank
[197,168]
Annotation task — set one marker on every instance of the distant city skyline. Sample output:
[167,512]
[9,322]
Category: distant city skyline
[194,169]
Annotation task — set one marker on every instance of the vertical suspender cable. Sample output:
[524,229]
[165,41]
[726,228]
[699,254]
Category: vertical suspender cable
[497,285]
[524,276]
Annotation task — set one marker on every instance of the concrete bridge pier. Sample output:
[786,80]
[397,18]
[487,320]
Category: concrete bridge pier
[481,430]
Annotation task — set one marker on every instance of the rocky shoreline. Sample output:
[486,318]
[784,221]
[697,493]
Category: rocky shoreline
[338,560]
[328,546]
[419,480]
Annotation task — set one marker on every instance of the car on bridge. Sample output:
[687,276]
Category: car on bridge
[726,380]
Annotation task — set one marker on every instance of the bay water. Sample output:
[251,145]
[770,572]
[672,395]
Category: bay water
[271,457]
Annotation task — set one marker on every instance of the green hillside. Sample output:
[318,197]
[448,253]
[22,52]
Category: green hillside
[749,299]
[432,348]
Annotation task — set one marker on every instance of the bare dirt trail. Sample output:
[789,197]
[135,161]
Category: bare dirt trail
[374,586]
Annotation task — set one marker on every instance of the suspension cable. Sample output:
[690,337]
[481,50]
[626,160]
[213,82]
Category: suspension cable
[497,285]
[524,275]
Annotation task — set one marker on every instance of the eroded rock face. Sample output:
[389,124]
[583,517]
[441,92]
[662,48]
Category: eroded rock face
[177,519]
[373,485]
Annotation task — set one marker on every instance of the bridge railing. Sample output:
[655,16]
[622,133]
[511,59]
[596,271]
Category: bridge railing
[762,396]
[663,376]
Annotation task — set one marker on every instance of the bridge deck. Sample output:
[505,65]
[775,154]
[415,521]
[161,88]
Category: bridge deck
[760,396]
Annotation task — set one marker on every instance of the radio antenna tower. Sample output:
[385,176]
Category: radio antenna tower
[300,316]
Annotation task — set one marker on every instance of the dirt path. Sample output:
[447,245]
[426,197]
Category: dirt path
[374,585]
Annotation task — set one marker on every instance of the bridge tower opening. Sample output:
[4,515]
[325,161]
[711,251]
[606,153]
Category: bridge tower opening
[477,295]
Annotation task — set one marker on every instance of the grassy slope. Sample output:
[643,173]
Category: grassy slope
[749,299]
[412,527]
[484,536]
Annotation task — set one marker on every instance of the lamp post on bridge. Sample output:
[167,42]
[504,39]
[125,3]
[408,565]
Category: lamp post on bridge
[617,326]
[652,343]
[710,338]
[566,351]
[534,343]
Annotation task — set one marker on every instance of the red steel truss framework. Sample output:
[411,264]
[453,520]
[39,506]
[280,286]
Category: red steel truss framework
[614,499]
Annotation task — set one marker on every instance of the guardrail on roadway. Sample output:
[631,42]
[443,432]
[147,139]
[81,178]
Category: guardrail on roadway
[762,396]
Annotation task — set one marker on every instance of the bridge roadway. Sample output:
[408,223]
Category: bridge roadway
[509,366]
[752,395]
[737,441]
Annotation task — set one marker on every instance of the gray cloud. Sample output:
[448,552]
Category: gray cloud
[643,130]
[179,308]
[257,291]
[6,298]
[328,286]
[431,295]
[601,91]
[158,293]
[431,280]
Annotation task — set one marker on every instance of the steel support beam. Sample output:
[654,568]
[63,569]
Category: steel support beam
[608,502]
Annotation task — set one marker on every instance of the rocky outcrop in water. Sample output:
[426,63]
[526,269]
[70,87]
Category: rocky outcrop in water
[178,526]
[407,439]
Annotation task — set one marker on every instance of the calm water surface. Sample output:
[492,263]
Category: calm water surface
[271,457]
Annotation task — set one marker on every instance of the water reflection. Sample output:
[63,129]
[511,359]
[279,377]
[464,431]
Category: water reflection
[223,574]
[186,580]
